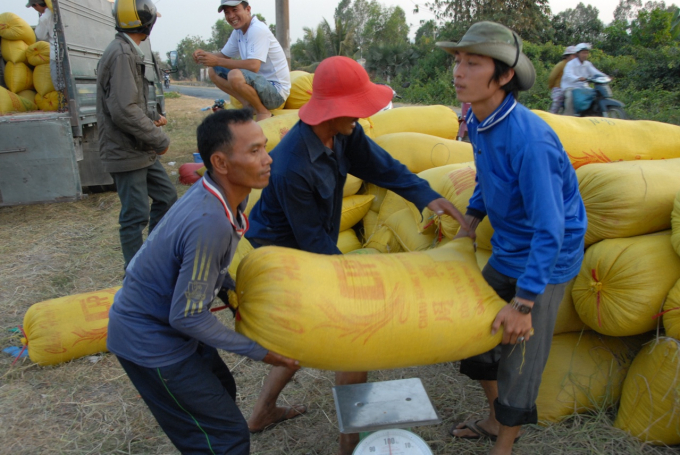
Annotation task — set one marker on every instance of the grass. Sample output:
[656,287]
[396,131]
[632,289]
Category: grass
[88,406]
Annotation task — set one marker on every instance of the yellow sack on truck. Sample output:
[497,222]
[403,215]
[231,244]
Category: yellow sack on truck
[629,198]
[370,223]
[419,152]
[49,102]
[383,240]
[10,102]
[405,230]
[13,51]
[671,312]
[28,95]
[300,91]
[650,401]
[585,372]
[352,186]
[437,120]
[675,224]
[623,283]
[590,140]
[18,77]
[367,312]
[42,79]
[354,208]
[348,241]
[276,127]
[13,27]
[66,328]
[38,53]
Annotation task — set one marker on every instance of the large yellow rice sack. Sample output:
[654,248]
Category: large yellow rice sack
[354,208]
[66,328]
[585,372]
[38,53]
[300,91]
[10,102]
[590,140]
[13,51]
[623,282]
[27,104]
[419,152]
[367,312]
[629,198]
[18,77]
[438,121]
[28,95]
[49,102]
[348,241]
[352,186]
[242,250]
[650,401]
[675,224]
[671,312]
[405,231]
[42,79]
[13,27]
[383,240]
[370,223]
[276,127]
[568,319]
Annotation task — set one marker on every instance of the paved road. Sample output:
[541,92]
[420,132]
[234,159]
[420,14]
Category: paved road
[209,93]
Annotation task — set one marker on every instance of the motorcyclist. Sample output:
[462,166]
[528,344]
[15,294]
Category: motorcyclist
[576,74]
[555,80]
[166,79]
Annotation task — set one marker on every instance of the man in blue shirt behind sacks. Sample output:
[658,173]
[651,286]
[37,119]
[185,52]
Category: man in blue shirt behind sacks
[302,206]
[160,325]
[528,188]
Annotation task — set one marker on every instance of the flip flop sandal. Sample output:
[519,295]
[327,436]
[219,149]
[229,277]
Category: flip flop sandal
[476,429]
[300,409]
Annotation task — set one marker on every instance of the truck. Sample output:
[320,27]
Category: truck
[54,156]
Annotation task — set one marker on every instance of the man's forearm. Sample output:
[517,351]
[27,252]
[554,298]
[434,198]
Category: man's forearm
[230,63]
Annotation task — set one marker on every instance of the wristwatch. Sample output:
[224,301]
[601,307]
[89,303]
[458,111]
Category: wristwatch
[519,306]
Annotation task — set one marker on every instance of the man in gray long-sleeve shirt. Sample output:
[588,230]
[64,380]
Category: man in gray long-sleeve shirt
[130,137]
[160,325]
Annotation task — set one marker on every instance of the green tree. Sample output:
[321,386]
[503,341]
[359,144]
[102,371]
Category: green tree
[310,49]
[186,66]
[577,25]
[615,38]
[426,35]
[221,32]
[652,29]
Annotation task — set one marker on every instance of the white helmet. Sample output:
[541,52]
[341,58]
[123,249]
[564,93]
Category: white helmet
[582,47]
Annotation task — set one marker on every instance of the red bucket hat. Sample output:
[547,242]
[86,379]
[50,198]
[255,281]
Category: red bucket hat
[341,88]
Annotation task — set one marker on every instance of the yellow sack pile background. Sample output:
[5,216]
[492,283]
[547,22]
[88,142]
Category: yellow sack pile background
[671,312]
[629,198]
[367,312]
[590,140]
[63,329]
[11,102]
[623,283]
[13,27]
[438,121]
[650,402]
[568,319]
[13,51]
[49,102]
[300,89]
[584,372]
[42,79]
[675,224]
[18,77]
[418,151]
[38,53]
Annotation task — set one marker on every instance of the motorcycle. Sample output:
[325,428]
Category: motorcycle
[598,101]
[166,80]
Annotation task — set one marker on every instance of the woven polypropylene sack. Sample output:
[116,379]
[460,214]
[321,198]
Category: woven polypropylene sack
[370,223]
[650,401]
[675,224]
[28,95]
[242,250]
[671,312]
[623,283]
[418,151]
[352,186]
[585,372]
[276,127]
[405,230]
[436,120]
[38,53]
[367,312]
[18,77]
[10,102]
[300,91]
[383,240]
[42,79]
[69,327]
[568,319]
[27,104]
[348,241]
[628,198]
[49,102]
[13,51]
[13,27]
[354,208]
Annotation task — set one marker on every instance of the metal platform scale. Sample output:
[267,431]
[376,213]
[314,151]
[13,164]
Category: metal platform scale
[385,408]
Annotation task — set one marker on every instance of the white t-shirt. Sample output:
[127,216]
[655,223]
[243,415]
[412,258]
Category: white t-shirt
[44,31]
[259,43]
[575,70]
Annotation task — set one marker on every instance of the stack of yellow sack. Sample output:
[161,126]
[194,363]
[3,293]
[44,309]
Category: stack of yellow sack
[15,38]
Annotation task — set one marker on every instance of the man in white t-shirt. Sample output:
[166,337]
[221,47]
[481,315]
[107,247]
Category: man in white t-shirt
[261,77]
[576,73]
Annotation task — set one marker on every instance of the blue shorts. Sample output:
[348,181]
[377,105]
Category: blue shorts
[270,97]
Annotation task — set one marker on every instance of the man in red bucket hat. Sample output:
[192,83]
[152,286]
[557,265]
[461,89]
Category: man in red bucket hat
[301,207]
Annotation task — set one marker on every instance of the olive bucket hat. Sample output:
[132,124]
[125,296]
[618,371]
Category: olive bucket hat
[498,42]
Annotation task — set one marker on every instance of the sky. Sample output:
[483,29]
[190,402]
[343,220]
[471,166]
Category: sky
[181,18]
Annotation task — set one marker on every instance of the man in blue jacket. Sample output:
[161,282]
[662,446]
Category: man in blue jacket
[160,325]
[527,187]
[302,206]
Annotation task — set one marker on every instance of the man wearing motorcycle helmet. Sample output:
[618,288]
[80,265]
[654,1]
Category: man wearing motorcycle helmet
[555,79]
[576,74]
[130,137]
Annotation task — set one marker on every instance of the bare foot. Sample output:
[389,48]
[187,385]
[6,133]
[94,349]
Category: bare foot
[263,116]
[348,443]
[257,424]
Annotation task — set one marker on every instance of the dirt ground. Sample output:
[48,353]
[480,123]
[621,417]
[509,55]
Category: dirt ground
[88,406]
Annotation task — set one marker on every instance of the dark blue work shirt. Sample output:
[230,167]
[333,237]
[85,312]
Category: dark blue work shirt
[302,206]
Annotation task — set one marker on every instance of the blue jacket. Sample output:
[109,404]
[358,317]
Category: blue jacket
[528,188]
[302,205]
[162,311]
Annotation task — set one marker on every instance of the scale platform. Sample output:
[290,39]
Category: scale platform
[376,406]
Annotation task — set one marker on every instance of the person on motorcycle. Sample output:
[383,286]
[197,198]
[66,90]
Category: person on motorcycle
[576,74]
[555,80]
[166,79]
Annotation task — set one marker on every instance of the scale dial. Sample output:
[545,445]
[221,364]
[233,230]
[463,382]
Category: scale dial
[392,442]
